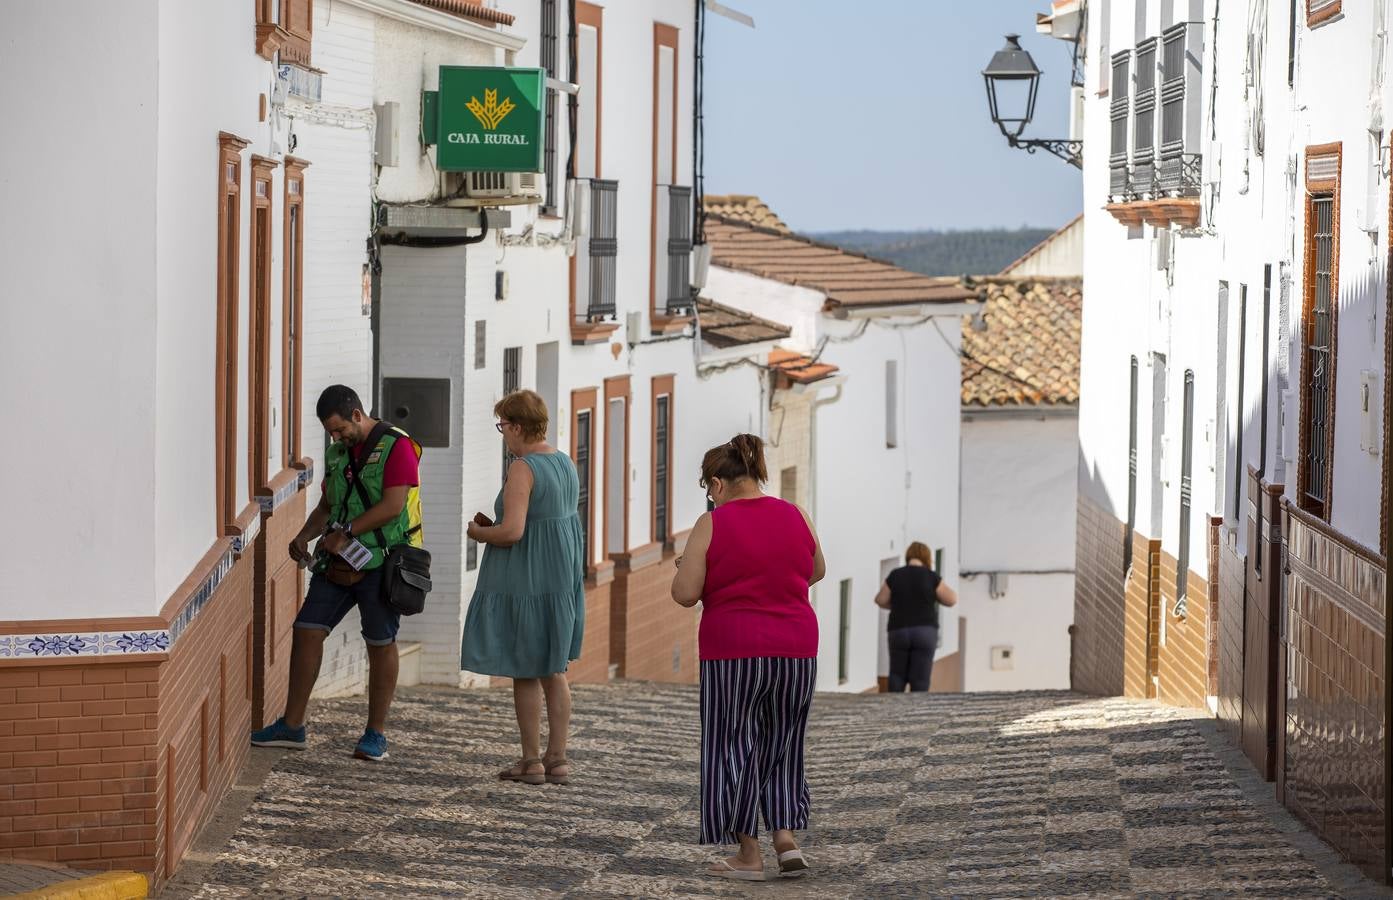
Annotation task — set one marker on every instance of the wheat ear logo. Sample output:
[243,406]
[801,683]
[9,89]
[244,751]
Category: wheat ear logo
[490,113]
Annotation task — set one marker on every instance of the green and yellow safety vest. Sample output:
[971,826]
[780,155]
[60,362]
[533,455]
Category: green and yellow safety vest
[347,501]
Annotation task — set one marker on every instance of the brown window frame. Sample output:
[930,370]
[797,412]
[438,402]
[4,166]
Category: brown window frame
[618,388]
[288,34]
[1318,189]
[259,258]
[663,386]
[226,372]
[292,311]
[585,401]
[590,15]
[1315,17]
[663,36]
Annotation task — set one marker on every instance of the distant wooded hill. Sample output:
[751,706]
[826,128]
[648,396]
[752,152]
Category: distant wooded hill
[984,252]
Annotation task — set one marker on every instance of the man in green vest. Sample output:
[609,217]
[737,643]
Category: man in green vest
[372,496]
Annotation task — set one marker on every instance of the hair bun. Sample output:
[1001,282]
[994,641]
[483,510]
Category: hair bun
[750,450]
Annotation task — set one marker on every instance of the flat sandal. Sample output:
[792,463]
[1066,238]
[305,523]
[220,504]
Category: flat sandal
[556,764]
[526,777]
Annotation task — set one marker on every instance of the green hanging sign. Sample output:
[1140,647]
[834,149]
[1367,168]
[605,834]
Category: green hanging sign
[489,119]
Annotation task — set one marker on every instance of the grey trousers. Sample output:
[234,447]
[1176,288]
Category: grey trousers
[912,657]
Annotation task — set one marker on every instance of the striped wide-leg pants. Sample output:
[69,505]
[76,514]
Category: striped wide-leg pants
[754,715]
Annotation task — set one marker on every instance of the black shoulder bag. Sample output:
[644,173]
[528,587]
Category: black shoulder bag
[405,569]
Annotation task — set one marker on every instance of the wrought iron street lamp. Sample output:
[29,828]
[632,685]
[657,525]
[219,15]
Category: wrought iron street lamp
[1013,80]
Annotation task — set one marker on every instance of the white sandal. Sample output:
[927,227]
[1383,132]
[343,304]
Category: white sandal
[724,869]
[792,863]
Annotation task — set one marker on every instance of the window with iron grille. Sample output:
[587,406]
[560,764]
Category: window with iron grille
[1119,107]
[1187,439]
[679,250]
[548,49]
[1178,166]
[512,380]
[1144,121]
[1240,469]
[661,452]
[583,441]
[600,272]
[1131,471]
[1318,389]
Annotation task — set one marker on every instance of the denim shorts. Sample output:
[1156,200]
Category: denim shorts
[327,603]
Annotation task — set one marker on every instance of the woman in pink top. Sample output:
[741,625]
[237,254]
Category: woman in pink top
[749,562]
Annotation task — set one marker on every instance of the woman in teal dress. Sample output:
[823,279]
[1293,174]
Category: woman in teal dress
[528,612]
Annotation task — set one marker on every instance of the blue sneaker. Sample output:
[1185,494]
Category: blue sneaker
[372,746]
[279,734]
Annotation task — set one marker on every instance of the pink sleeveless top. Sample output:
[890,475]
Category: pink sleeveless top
[755,600]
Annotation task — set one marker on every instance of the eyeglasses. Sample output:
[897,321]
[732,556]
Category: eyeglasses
[499,426]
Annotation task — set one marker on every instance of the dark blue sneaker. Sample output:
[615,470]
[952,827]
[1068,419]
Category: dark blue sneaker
[279,734]
[371,746]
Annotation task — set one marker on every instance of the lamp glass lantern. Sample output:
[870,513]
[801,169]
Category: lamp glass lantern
[1012,80]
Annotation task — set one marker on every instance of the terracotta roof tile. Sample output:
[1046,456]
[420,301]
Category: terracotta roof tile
[745,208]
[846,278]
[799,368]
[469,9]
[1028,355]
[722,326]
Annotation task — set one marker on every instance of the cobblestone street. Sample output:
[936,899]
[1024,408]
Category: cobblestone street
[1045,794]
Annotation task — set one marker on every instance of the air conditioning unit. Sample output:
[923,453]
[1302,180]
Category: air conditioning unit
[502,185]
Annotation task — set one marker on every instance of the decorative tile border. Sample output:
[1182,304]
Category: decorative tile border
[307,473]
[201,595]
[242,542]
[270,503]
[103,643]
[115,643]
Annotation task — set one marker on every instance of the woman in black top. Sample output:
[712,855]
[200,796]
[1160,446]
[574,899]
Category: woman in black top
[912,594]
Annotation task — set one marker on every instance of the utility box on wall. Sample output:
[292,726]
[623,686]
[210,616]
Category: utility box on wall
[420,406]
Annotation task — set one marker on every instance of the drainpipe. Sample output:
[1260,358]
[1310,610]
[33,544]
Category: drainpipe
[818,402]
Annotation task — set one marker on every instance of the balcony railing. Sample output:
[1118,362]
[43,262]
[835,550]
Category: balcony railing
[596,259]
[1178,174]
[673,257]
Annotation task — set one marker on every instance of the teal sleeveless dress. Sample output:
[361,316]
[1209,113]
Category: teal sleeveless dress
[527,616]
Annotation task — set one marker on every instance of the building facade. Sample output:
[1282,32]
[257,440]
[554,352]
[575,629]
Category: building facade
[128,683]
[876,349]
[1234,389]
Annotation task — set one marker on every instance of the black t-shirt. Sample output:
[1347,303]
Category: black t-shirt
[913,598]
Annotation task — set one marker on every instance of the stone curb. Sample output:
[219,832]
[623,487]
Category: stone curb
[107,886]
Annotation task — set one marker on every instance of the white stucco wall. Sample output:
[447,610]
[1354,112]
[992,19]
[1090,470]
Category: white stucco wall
[191,112]
[130,282]
[1060,255]
[1018,512]
[797,307]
